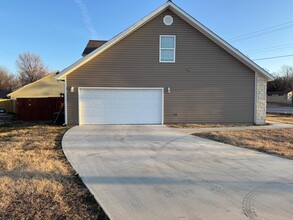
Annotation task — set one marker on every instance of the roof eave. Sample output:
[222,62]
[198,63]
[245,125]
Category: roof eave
[218,40]
[111,42]
[189,19]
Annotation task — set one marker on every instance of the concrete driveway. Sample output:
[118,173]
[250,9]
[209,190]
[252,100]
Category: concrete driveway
[155,172]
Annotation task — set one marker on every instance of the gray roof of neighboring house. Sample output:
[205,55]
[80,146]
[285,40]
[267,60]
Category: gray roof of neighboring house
[282,92]
[3,94]
[92,45]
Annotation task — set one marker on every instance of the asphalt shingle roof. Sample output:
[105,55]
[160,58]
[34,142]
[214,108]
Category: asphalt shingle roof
[92,45]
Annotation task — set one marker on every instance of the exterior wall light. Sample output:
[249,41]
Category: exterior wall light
[72,89]
[168,90]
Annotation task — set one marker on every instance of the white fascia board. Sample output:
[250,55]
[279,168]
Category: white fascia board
[111,42]
[189,19]
[214,37]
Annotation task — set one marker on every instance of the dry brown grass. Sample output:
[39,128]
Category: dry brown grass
[36,181]
[209,125]
[288,119]
[276,141]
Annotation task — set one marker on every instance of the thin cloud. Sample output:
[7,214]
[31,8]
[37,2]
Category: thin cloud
[86,18]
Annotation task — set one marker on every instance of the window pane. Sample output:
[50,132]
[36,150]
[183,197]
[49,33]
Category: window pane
[167,42]
[167,55]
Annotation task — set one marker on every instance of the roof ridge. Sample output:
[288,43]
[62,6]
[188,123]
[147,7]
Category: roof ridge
[185,16]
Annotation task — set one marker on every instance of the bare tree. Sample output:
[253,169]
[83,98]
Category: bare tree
[8,81]
[287,72]
[30,68]
[284,80]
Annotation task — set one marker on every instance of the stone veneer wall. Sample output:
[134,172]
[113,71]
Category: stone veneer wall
[261,99]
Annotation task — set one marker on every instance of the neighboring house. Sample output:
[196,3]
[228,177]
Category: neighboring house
[5,103]
[166,68]
[3,94]
[281,97]
[45,87]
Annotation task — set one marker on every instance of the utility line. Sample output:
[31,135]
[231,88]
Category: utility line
[262,32]
[269,49]
[269,58]
[280,26]
[264,48]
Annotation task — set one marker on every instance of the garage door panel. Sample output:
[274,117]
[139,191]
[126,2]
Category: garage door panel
[85,93]
[120,106]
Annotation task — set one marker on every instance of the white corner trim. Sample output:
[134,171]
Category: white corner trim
[78,104]
[189,19]
[163,105]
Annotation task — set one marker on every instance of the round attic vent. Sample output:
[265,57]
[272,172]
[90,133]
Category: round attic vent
[168,20]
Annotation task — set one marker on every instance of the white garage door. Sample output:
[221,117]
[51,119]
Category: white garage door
[121,105]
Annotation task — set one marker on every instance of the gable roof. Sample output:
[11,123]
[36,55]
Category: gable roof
[43,81]
[92,45]
[182,14]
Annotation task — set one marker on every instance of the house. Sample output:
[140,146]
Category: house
[45,87]
[166,68]
[39,100]
[5,103]
[279,97]
[3,94]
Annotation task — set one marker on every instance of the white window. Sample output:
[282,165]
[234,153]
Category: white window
[167,48]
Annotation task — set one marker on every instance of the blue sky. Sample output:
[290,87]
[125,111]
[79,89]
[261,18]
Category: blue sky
[58,30]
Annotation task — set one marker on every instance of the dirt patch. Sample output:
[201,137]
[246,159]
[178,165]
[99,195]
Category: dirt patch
[36,180]
[272,141]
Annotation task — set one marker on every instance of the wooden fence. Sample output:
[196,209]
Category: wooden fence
[38,109]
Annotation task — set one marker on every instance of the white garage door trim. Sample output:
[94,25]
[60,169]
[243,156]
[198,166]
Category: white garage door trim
[121,88]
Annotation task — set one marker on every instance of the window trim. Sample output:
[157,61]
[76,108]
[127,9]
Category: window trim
[160,49]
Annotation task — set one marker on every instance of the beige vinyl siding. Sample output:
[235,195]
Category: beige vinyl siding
[208,85]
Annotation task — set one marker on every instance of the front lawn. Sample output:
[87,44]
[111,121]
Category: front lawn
[273,141]
[209,125]
[288,119]
[36,181]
